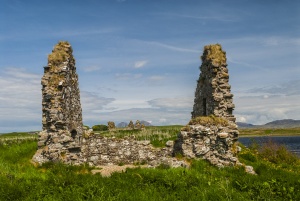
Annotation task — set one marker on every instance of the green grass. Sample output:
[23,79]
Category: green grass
[16,137]
[158,135]
[273,132]
[21,180]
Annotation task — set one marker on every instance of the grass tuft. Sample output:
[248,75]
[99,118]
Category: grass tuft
[215,54]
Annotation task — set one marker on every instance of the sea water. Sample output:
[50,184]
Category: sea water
[292,143]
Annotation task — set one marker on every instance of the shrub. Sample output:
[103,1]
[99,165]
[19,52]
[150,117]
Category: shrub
[100,127]
[277,154]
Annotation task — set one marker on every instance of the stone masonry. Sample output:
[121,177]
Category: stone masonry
[63,138]
[213,96]
[61,108]
[212,133]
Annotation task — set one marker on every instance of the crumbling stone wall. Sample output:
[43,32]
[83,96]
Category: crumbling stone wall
[212,138]
[212,133]
[212,95]
[209,138]
[99,150]
[61,108]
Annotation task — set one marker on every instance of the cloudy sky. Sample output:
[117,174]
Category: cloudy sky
[139,59]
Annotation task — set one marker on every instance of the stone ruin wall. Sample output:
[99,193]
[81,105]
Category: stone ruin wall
[213,141]
[99,150]
[61,108]
[63,138]
[213,95]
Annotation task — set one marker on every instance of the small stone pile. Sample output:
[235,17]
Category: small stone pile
[62,114]
[210,138]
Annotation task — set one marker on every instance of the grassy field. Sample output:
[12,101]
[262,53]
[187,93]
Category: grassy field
[277,178]
[270,132]
[158,135]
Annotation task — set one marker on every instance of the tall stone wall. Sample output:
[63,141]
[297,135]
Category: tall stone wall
[213,95]
[61,108]
[212,133]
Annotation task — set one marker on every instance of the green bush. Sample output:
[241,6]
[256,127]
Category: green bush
[100,128]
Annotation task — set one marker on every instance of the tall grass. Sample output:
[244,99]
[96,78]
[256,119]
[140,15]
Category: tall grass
[157,135]
[21,180]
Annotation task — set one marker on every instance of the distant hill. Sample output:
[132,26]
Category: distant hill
[284,123]
[124,124]
[244,125]
[146,123]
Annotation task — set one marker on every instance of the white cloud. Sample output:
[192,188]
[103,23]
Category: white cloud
[155,116]
[156,78]
[20,100]
[140,64]
[91,101]
[185,103]
[223,18]
[258,109]
[287,88]
[91,68]
[162,120]
[127,76]
[276,41]
[173,48]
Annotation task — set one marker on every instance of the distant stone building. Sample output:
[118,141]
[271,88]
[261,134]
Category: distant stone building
[61,108]
[212,95]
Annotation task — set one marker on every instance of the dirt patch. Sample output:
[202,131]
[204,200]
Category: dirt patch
[106,171]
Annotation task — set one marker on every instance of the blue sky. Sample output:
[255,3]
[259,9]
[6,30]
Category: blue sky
[139,59]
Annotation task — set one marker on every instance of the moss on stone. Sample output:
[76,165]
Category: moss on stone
[59,53]
[206,121]
[209,120]
[215,54]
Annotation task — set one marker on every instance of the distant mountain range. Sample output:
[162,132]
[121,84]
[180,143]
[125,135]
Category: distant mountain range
[124,124]
[284,123]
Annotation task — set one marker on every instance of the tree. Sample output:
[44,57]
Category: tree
[100,128]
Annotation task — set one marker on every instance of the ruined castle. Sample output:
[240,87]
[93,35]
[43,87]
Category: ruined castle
[211,134]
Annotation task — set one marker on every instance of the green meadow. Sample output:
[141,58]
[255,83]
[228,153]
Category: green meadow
[277,176]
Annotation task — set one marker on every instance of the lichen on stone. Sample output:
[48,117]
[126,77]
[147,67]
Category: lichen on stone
[215,54]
